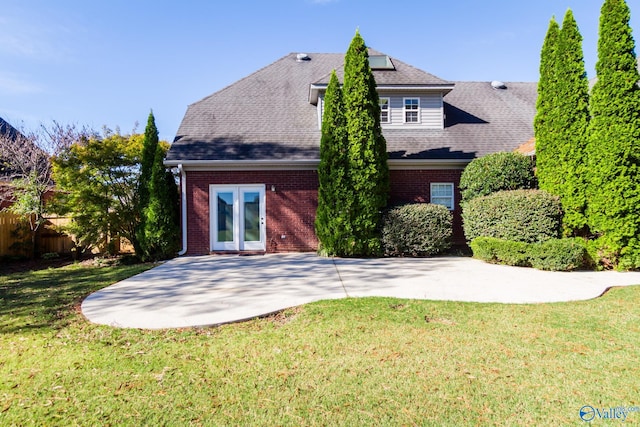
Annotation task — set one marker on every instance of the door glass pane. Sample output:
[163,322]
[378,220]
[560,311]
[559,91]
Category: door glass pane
[251,204]
[225,217]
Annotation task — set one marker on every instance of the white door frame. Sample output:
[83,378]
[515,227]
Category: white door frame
[237,193]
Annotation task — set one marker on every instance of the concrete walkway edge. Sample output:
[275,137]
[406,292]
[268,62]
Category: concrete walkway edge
[210,290]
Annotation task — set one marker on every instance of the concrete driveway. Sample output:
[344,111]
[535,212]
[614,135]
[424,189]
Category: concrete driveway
[209,290]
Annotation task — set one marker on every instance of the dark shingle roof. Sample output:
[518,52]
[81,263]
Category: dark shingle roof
[403,74]
[7,130]
[267,116]
[11,134]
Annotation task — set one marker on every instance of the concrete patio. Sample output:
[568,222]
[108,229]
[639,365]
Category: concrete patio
[209,290]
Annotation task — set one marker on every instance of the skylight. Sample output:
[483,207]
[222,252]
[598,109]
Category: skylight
[380,62]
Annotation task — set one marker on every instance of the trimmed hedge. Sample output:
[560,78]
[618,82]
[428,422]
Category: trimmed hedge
[420,229]
[554,254]
[498,251]
[559,254]
[521,215]
[497,172]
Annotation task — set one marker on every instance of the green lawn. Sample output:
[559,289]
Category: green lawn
[370,361]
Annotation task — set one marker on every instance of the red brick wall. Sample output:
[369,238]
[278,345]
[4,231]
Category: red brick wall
[409,186]
[291,208]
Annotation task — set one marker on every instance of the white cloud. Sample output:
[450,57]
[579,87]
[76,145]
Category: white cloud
[23,38]
[15,44]
[13,85]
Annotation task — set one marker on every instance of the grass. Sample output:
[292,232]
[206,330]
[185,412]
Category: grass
[369,361]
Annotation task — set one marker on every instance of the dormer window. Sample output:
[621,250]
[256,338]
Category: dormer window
[384,110]
[411,110]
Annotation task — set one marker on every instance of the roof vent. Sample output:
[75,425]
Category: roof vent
[497,84]
[302,57]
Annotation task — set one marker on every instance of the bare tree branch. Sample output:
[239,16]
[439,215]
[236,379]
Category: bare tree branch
[26,169]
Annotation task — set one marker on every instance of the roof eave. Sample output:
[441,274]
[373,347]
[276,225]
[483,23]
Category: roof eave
[308,164]
[244,165]
[314,92]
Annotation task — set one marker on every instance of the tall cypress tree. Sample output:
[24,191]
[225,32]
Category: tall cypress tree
[332,215]
[571,123]
[368,169]
[545,121]
[613,147]
[149,150]
[161,216]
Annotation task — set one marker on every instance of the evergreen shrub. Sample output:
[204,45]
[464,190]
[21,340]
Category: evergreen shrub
[368,171]
[553,254]
[613,151]
[497,172]
[520,215]
[420,229]
[559,254]
[499,251]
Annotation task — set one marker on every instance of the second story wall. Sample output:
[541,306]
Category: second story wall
[405,110]
[413,110]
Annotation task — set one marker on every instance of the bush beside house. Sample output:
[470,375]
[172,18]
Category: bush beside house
[521,215]
[515,227]
[497,172]
[553,254]
[419,229]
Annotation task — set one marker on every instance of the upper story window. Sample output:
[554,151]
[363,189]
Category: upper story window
[384,110]
[442,194]
[411,110]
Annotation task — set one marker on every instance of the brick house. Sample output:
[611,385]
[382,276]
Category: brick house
[248,154]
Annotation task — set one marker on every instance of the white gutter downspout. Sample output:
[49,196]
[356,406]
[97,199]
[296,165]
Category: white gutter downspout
[183,206]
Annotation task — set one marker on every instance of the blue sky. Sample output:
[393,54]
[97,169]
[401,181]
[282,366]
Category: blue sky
[108,62]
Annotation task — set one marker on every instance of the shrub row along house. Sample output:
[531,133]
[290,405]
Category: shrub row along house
[248,154]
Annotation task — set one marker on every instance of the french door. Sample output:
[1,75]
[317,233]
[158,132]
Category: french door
[237,217]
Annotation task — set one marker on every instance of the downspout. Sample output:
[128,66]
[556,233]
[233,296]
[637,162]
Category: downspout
[183,206]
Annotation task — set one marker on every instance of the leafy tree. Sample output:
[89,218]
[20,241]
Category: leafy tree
[545,121]
[334,201]
[571,125]
[98,182]
[158,230]
[613,148]
[25,162]
[368,169]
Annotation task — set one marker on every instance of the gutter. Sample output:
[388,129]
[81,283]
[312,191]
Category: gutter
[262,165]
[183,207]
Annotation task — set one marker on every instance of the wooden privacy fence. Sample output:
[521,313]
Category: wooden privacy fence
[15,236]
[16,242]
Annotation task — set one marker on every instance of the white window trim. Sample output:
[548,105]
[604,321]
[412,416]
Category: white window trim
[238,243]
[388,110]
[449,184]
[405,110]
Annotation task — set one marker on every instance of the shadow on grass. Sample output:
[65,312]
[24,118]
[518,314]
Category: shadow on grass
[45,299]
